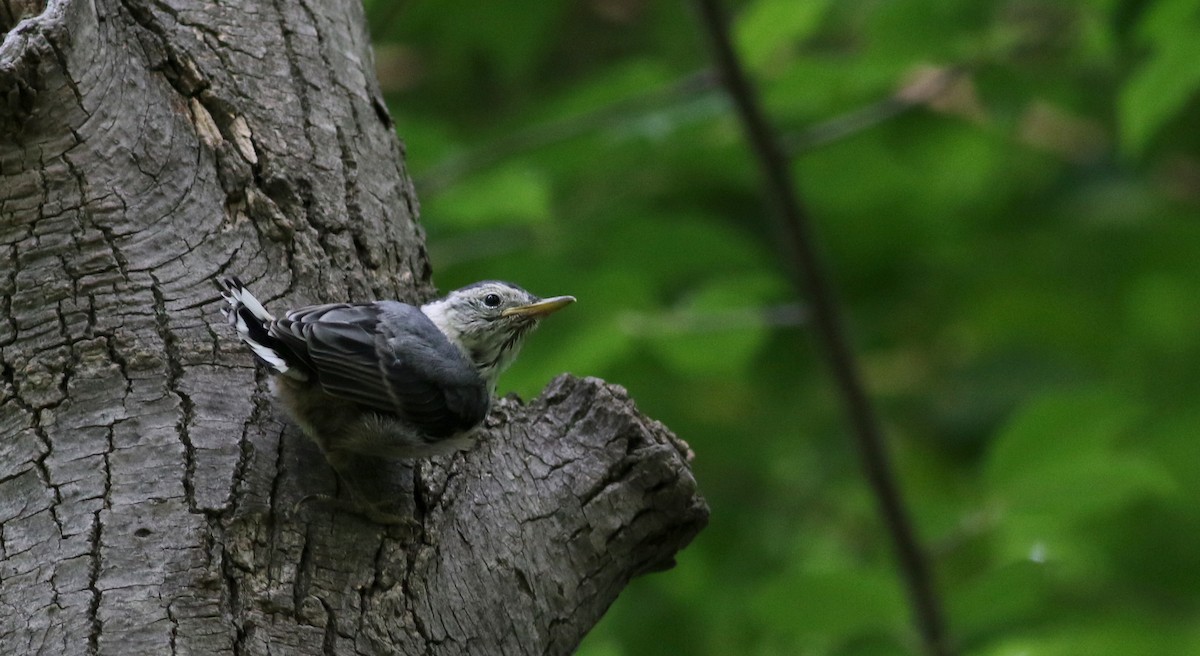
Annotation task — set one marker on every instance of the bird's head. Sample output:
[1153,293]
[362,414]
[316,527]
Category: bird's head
[488,321]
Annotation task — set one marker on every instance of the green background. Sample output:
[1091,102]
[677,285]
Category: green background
[1017,252]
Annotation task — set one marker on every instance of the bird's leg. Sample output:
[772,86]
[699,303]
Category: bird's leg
[359,503]
[359,506]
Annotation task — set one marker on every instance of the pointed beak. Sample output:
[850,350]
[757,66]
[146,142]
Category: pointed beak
[539,309]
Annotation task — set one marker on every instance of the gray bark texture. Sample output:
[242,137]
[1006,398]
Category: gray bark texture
[149,487]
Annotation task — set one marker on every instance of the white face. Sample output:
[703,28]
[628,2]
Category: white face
[485,302]
[489,321]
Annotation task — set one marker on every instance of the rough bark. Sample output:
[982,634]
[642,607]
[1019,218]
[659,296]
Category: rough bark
[148,486]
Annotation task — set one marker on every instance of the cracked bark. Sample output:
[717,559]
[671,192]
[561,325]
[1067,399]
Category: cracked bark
[147,482]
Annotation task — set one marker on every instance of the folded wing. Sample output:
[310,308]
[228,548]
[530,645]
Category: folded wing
[390,357]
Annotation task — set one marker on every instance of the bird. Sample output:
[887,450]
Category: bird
[386,378]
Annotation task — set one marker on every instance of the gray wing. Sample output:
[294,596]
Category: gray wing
[390,357]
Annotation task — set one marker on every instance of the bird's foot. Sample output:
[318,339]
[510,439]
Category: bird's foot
[368,510]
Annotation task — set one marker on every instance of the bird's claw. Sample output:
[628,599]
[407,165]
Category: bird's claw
[368,510]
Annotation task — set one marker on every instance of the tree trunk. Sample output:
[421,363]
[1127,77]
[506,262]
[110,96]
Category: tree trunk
[148,487]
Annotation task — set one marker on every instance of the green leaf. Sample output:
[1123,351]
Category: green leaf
[1002,597]
[1059,429]
[505,38]
[1100,635]
[718,328]
[832,606]
[599,647]
[1161,312]
[1168,79]
[1061,462]
[1089,484]
[672,252]
[767,27]
[510,195]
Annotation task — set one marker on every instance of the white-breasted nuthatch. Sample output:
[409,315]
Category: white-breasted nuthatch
[388,378]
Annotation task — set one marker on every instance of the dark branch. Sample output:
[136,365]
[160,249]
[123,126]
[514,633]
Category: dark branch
[826,317]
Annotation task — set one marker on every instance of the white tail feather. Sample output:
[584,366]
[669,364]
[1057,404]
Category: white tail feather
[242,302]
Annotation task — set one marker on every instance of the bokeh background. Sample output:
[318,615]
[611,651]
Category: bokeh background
[1008,194]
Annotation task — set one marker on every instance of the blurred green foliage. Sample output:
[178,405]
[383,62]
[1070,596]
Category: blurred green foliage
[1008,194]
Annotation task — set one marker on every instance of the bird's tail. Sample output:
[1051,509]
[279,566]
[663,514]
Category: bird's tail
[253,324]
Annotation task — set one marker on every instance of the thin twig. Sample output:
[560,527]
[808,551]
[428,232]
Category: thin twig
[452,169]
[826,317]
[861,119]
[692,88]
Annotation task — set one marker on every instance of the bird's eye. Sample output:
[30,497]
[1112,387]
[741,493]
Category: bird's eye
[491,300]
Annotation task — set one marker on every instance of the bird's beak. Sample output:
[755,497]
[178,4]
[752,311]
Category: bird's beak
[539,309]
